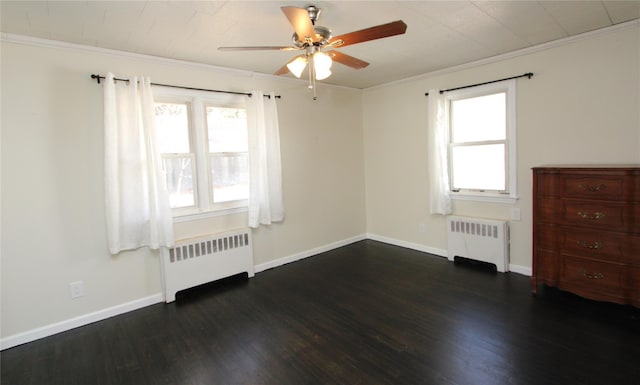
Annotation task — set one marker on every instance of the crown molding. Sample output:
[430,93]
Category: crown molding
[510,55]
[57,44]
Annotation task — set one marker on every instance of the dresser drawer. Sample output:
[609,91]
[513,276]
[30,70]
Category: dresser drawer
[593,278]
[601,215]
[615,216]
[596,244]
[597,187]
[585,183]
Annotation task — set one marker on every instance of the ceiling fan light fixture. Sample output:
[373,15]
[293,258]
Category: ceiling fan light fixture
[322,64]
[322,61]
[322,74]
[297,65]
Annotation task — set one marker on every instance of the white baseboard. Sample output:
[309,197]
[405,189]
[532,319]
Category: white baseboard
[521,270]
[439,252]
[62,326]
[308,253]
[59,327]
[408,245]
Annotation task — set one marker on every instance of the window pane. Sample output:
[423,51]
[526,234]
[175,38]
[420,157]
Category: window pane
[227,129]
[230,177]
[180,181]
[478,119]
[172,126]
[479,167]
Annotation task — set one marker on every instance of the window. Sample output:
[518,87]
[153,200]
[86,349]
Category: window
[228,153]
[482,142]
[174,140]
[204,146]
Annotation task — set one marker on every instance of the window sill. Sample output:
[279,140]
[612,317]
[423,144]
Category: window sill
[488,198]
[208,214]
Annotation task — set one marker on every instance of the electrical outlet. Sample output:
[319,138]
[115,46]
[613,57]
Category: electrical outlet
[515,214]
[422,228]
[76,289]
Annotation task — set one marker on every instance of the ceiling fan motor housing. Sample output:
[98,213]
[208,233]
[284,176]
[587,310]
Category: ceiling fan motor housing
[323,34]
[314,13]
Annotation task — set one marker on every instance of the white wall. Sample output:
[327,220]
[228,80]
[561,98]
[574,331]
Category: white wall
[581,106]
[53,225]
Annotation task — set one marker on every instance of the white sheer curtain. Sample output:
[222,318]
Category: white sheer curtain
[265,175]
[137,202]
[439,192]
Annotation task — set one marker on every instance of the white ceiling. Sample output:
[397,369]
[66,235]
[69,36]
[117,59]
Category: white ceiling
[440,34]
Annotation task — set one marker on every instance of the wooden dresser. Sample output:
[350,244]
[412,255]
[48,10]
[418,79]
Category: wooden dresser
[586,231]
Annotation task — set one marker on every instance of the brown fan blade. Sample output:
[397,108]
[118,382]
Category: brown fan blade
[299,19]
[259,48]
[283,70]
[373,33]
[347,60]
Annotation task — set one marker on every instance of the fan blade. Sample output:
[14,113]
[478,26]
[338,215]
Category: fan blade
[347,60]
[299,19]
[283,70]
[373,33]
[259,48]
[295,62]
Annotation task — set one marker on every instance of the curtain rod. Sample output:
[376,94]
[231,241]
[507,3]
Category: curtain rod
[98,77]
[528,75]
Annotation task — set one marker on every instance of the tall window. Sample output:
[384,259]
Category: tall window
[174,129]
[204,146]
[228,153]
[482,141]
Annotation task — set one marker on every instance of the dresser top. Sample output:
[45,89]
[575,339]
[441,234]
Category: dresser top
[591,166]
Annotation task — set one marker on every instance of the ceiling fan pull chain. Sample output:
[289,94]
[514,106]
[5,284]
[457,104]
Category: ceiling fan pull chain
[312,69]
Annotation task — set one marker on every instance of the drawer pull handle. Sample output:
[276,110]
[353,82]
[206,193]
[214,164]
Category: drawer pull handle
[585,215]
[595,245]
[597,187]
[592,276]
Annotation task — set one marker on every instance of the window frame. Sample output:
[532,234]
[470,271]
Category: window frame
[510,195]
[197,103]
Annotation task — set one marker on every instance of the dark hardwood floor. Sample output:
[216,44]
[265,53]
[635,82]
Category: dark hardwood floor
[367,313]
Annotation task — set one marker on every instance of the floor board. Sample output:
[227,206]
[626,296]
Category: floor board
[366,313]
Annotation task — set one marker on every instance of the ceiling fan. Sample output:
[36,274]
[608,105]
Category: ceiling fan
[314,40]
